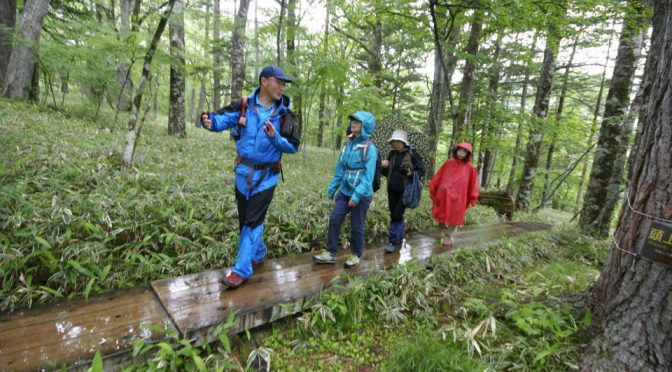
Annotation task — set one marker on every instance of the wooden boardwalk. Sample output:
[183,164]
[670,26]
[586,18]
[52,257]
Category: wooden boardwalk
[70,333]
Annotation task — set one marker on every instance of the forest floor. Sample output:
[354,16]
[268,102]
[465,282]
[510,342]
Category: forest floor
[74,223]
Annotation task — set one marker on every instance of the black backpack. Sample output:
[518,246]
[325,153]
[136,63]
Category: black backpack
[379,167]
[287,127]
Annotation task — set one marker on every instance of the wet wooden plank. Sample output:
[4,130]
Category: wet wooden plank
[70,333]
[198,302]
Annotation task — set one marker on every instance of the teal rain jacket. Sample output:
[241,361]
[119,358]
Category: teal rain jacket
[354,178]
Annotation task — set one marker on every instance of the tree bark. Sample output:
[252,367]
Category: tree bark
[521,121]
[216,57]
[278,35]
[593,127]
[489,149]
[125,84]
[257,47]
[540,110]
[134,130]
[176,124]
[557,125]
[7,23]
[21,65]
[238,50]
[465,103]
[376,57]
[323,96]
[444,66]
[202,95]
[595,219]
[339,117]
[292,24]
[633,297]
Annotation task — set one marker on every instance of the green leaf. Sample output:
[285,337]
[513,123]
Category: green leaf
[81,268]
[43,241]
[87,290]
[137,347]
[199,363]
[97,363]
[51,291]
[587,319]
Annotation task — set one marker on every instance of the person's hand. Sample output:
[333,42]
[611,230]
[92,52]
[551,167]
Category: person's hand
[385,163]
[205,118]
[269,129]
[408,173]
[352,203]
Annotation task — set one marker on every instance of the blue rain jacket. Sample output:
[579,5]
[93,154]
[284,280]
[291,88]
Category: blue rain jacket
[254,145]
[354,178]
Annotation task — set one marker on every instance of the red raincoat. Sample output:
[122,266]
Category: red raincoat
[453,189]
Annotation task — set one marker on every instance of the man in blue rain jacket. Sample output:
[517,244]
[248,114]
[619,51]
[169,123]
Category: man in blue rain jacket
[352,189]
[259,147]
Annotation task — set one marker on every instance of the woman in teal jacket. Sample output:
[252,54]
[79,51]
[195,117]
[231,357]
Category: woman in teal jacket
[352,188]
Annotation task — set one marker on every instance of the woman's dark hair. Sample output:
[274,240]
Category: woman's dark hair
[454,152]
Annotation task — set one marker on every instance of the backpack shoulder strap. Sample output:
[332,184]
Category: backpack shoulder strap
[243,110]
[365,149]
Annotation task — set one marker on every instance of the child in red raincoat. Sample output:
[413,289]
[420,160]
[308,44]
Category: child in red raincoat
[453,189]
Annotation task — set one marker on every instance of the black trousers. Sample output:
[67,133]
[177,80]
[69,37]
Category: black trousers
[252,212]
[396,205]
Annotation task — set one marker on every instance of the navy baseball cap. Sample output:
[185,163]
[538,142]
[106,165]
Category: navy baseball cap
[274,71]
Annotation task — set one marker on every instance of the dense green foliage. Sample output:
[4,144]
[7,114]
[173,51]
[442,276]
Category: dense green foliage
[73,221]
[501,307]
[376,56]
[515,304]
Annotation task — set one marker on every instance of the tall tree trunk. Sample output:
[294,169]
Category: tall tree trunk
[133,129]
[437,107]
[7,23]
[124,82]
[339,117]
[633,296]
[21,65]
[257,47]
[176,124]
[323,89]
[489,149]
[594,218]
[444,66]
[292,24]
[202,95]
[278,35]
[593,127]
[465,103]
[522,119]
[557,125]
[216,57]
[540,110]
[34,92]
[617,177]
[192,103]
[238,50]
[376,56]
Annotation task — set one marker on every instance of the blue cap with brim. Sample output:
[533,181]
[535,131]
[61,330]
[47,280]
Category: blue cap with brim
[276,72]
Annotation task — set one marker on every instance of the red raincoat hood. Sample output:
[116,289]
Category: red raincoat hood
[466,146]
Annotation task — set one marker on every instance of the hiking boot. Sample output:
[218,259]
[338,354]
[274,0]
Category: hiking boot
[255,263]
[352,261]
[390,248]
[233,281]
[325,257]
